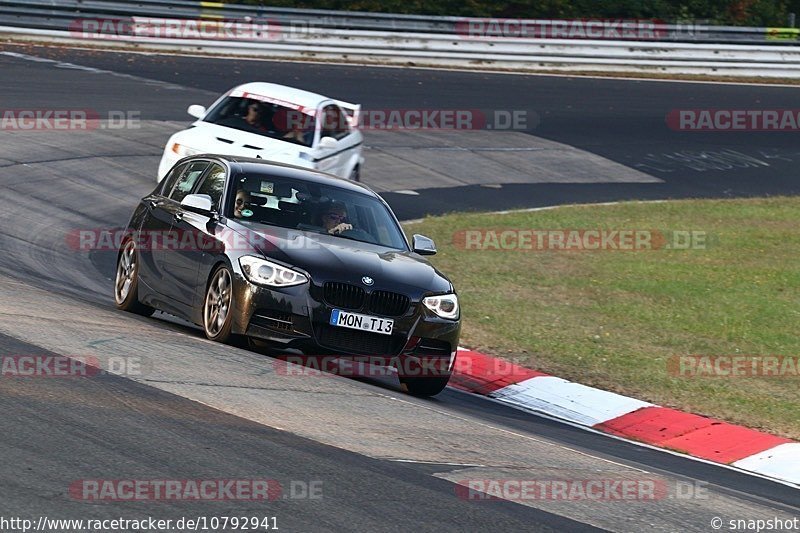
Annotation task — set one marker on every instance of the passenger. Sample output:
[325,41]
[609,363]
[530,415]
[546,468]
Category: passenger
[255,112]
[296,134]
[294,125]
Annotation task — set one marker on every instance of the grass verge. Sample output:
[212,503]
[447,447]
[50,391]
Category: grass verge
[618,319]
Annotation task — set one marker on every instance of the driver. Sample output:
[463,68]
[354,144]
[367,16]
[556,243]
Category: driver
[334,219]
[254,117]
[242,203]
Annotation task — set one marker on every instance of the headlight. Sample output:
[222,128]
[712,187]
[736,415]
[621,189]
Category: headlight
[263,272]
[446,305]
[183,150]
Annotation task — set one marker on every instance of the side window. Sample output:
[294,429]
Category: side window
[214,184]
[187,180]
[334,123]
[169,181]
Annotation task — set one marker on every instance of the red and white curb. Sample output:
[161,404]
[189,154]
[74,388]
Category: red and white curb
[694,435]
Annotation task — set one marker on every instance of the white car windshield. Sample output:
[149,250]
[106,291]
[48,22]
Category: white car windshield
[264,118]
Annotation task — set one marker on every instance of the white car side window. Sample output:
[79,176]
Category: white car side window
[334,123]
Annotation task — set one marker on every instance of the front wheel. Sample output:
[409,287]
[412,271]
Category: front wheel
[218,306]
[126,283]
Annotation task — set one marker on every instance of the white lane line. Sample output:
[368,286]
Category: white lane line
[436,463]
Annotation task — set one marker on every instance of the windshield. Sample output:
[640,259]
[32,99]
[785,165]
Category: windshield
[309,206]
[262,117]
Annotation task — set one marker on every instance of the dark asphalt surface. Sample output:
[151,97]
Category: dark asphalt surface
[59,431]
[622,120]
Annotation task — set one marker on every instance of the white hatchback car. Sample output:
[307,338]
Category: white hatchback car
[275,123]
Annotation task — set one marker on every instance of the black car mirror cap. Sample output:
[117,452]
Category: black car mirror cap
[423,245]
[198,203]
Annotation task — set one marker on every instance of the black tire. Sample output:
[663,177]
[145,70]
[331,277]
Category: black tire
[126,282]
[218,306]
[423,387]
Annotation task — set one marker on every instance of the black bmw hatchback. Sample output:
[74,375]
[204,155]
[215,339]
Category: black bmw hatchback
[298,260]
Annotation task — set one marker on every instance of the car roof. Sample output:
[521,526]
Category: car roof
[262,166]
[299,97]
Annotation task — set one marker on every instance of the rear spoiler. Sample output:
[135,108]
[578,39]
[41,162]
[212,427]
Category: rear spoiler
[353,112]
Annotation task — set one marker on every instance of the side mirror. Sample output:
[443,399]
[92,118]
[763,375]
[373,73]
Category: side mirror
[423,245]
[197,111]
[328,143]
[198,203]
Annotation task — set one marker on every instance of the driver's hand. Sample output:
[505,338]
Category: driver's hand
[340,228]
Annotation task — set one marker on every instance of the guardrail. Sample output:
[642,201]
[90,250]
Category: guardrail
[47,14]
[406,39]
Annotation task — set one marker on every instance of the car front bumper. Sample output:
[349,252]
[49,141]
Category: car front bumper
[296,319]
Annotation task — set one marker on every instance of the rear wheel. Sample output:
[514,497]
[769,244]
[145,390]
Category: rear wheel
[218,306]
[126,283]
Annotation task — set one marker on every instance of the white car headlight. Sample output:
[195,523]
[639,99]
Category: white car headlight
[263,272]
[183,150]
[446,305]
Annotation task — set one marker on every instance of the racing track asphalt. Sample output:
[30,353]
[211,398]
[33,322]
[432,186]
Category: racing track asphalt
[622,120]
[136,430]
[57,432]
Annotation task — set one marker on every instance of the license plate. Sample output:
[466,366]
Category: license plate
[361,322]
